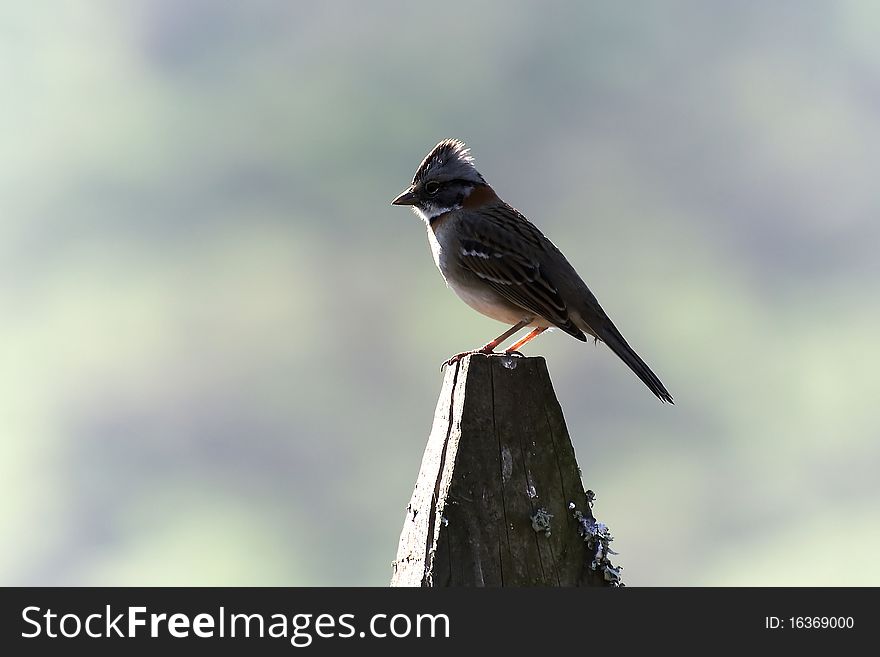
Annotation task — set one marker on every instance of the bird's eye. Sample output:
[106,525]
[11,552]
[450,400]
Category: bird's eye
[432,187]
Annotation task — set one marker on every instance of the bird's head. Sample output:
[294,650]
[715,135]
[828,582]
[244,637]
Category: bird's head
[444,179]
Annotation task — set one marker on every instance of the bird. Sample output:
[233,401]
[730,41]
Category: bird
[501,265]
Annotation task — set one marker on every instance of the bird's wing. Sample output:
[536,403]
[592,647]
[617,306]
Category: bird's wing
[502,249]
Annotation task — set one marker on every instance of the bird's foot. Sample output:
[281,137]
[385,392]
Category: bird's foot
[513,352]
[487,350]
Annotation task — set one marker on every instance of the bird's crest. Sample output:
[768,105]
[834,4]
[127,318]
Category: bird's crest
[453,158]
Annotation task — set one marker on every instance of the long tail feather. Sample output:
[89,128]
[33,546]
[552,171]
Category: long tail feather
[612,337]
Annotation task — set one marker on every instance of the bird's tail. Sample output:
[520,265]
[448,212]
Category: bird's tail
[616,342]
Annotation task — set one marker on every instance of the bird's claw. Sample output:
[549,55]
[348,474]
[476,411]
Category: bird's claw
[484,351]
[458,357]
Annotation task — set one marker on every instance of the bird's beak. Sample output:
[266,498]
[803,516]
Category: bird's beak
[407,198]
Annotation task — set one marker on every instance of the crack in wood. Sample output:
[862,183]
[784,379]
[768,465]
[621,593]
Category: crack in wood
[430,544]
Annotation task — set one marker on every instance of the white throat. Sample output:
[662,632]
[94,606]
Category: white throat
[431,212]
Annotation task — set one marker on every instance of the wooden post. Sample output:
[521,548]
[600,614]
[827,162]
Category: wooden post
[493,502]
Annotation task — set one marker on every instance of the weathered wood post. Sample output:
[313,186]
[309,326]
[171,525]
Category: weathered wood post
[499,499]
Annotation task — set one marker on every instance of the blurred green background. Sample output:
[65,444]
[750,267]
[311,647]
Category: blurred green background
[220,344]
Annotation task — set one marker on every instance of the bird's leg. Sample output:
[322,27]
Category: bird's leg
[489,347]
[531,336]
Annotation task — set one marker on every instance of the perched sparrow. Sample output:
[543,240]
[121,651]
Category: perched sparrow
[501,265]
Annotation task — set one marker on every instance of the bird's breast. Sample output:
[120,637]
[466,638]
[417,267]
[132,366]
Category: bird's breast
[467,286]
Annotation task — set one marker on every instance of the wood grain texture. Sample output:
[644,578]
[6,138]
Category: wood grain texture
[498,452]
